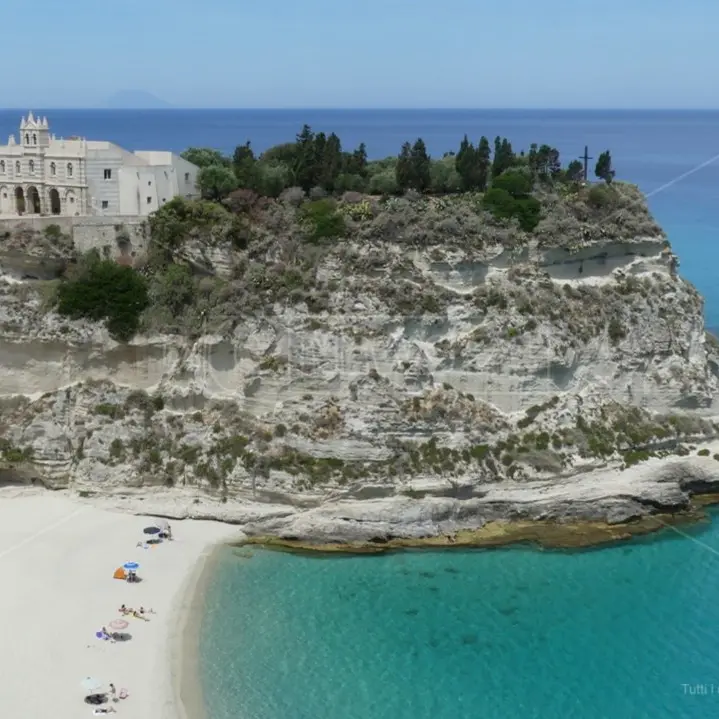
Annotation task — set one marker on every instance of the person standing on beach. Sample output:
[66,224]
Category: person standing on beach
[113,692]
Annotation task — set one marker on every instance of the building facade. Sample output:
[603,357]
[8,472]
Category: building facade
[41,174]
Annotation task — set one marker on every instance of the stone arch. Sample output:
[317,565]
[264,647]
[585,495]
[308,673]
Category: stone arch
[33,200]
[54,201]
[19,201]
[5,201]
[34,139]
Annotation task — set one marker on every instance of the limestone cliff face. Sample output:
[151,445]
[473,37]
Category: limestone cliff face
[432,371]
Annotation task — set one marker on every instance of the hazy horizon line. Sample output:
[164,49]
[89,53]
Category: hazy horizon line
[364,109]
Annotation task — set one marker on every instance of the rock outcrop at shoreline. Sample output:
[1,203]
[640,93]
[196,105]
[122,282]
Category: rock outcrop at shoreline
[436,372]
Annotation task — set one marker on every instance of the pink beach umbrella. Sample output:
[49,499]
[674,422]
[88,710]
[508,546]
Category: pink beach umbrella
[118,624]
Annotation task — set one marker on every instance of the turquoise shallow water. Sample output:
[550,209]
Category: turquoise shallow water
[498,634]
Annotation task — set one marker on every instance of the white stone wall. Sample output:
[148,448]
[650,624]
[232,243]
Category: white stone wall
[100,233]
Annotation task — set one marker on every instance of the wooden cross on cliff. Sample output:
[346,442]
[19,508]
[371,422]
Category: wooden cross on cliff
[586,158]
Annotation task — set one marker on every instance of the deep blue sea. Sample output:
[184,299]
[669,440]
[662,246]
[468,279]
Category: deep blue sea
[626,632]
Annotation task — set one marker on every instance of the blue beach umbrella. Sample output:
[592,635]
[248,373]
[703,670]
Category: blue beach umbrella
[131,566]
[151,530]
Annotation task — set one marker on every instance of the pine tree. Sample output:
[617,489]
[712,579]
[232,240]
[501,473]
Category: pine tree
[243,164]
[331,163]
[503,156]
[497,161]
[305,162]
[574,171]
[421,165]
[555,166]
[465,163]
[604,170]
[483,164]
[403,168]
[532,159]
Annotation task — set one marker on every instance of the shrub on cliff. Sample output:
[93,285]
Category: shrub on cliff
[104,290]
[323,220]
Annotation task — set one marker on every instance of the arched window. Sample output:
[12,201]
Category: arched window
[34,139]
[17,167]
[69,169]
[27,138]
[31,165]
[53,169]
[2,166]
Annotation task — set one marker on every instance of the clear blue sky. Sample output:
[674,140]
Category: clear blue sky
[364,53]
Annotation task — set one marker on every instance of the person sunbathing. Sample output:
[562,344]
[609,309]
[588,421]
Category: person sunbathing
[125,610]
[137,615]
[149,611]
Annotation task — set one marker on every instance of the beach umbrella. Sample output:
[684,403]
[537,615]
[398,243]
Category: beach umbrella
[118,624]
[131,566]
[151,530]
[92,686]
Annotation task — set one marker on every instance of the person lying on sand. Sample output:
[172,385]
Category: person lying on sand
[137,615]
[103,710]
[148,611]
[125,610]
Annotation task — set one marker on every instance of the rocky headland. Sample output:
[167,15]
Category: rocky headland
[424,372]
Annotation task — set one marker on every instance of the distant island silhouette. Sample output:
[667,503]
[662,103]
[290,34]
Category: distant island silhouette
[135,100]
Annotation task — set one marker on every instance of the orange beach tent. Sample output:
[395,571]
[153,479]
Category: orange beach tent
[119,574]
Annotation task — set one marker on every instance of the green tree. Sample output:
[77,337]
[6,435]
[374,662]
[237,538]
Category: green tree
[574,171]
[104,290]
[174,288]
[604,170]
[527,210]
[216,182]
[533,159]
[516,182]
[272,178]
[421,164]
[403,168]
[243,164]
[204,157]
[503,156]
[285,154]
[330,163]
[356,163]
[466,164]
[499,203]
[484,155]
[306,162]
[384,183]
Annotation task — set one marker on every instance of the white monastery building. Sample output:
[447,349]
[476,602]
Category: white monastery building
[44,175]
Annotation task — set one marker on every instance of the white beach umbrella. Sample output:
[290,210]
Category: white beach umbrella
[162,524]
[91,686]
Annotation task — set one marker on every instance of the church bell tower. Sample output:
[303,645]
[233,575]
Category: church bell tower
[34,132]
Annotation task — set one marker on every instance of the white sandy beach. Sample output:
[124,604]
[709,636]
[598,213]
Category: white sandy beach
[57,558]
